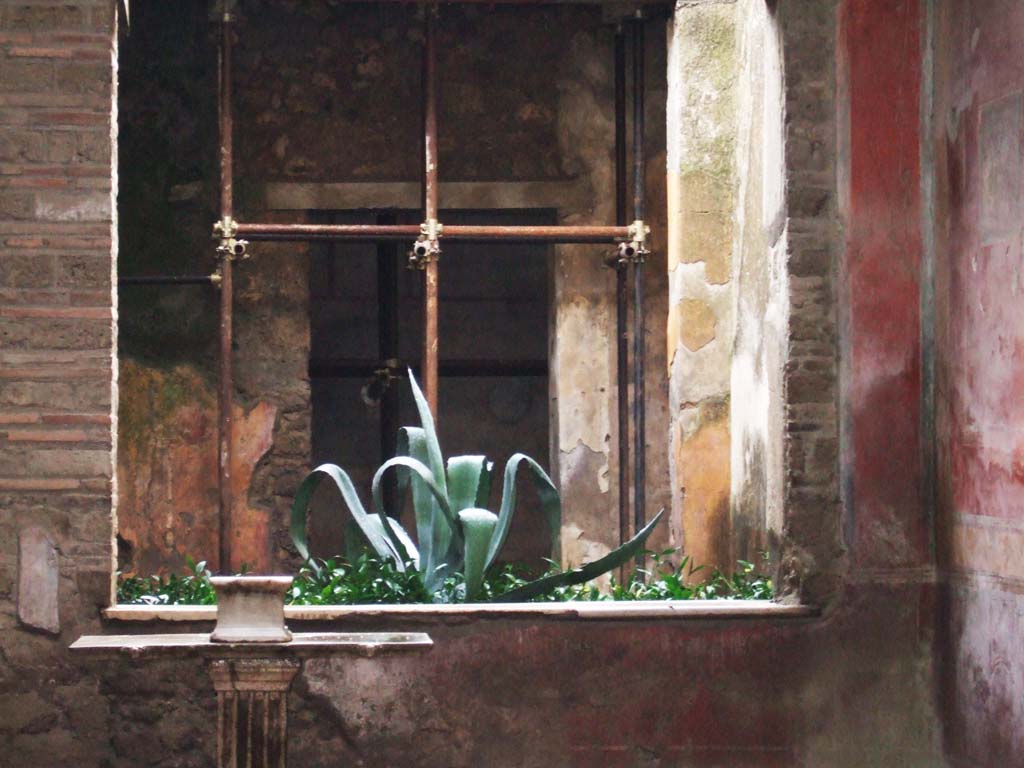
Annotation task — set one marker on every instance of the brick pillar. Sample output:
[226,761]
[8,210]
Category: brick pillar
[252,711]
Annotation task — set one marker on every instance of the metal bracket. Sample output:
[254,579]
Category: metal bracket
[427,246]
[229,248]
[224,10]
[634,250]
[226,227]
[215,279]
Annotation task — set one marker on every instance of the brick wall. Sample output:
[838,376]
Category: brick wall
[55,368]
[813,552]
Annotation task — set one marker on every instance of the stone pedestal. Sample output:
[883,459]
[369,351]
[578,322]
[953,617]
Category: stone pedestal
[252,711]
[251,679]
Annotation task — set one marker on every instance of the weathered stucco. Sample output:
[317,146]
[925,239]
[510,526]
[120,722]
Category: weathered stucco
[702,126]
[977,154]
[760,346]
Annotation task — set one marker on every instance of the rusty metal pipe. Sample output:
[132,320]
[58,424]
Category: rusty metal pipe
[461,232]
[622,288]
[430,201]
[639,181]
[305,232]
[226,300]
[537,234]
[167,280]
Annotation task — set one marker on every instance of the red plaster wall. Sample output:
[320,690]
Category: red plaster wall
[882,61]
[980,335]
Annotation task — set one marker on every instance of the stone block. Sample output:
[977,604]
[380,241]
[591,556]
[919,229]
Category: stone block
[21,145]
[25,76]
[38,580]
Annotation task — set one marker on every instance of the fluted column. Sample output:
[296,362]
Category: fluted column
[252,711]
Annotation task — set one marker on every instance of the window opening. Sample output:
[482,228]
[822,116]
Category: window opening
[429,238]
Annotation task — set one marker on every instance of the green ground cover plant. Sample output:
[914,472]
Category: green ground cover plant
[367,579]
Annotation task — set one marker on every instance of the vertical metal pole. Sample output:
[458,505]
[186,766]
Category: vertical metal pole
[387,348]
[226,296]
[430,194]
[640,476]
[622,287]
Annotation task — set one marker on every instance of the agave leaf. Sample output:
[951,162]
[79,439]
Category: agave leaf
[439,531]
[584,573]
[403,542]
[549,501]
[465,475]
[434,458]
[300,511]
[434,539]
[478,526]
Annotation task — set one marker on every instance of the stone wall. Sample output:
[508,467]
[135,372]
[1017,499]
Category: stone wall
[852,688]
[753,242]
[56,379]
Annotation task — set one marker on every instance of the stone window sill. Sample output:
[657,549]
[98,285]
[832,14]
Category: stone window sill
[645,610]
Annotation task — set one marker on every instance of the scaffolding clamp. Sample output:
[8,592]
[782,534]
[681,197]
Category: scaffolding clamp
[427,246]
[224,11]
[634,250]
[229,247]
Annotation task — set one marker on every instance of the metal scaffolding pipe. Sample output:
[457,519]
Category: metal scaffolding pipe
[168,280]
[430,190]
[622,287]
[307,232]
[536,234]
[639,179]
[461,232]
[226,296]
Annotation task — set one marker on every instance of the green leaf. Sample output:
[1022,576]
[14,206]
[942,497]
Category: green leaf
[478,527]
[549,501]
[442,528]
[584,573]
[434,537]
[465,475]
[434,458]
[300,511]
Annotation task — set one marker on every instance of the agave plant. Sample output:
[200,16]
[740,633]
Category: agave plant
[454,532]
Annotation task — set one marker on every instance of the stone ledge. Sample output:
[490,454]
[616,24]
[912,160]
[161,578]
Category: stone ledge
[659,609]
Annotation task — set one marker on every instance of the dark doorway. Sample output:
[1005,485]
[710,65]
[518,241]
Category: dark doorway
[366,308]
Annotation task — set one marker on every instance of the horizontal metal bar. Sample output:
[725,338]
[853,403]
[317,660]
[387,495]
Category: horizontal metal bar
[350,368]
[547,234]
[459,232]
[167,280]
[359,232]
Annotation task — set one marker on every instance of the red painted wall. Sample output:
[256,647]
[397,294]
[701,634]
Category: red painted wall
[882,48]
[979,160]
